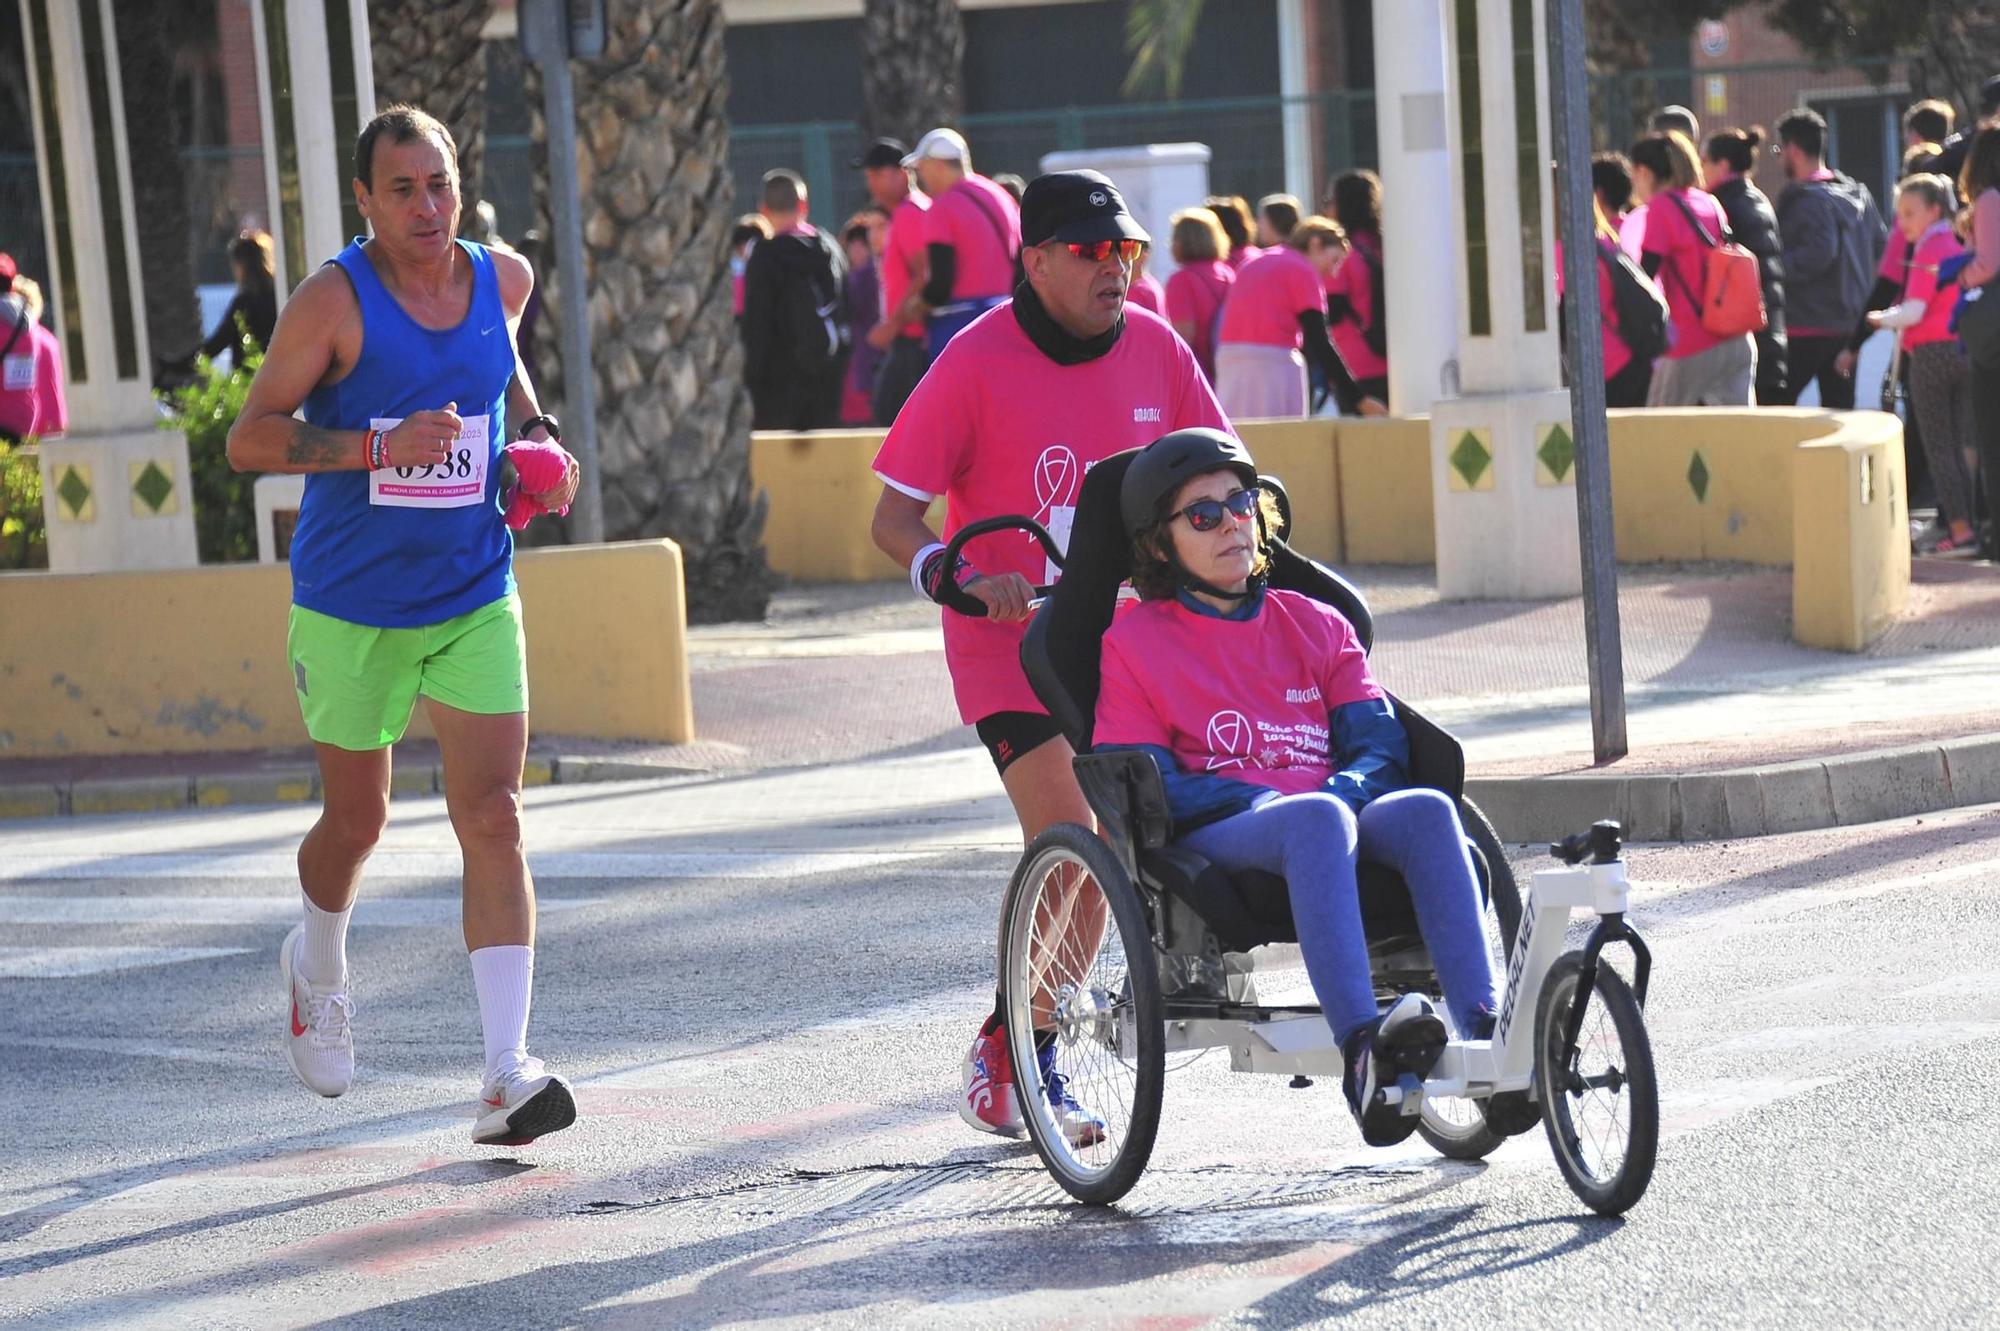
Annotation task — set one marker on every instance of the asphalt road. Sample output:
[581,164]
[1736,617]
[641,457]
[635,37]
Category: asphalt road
[762,986]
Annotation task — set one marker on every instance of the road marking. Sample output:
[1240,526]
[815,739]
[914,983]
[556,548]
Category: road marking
[445,865]
[48,963]
[389,912]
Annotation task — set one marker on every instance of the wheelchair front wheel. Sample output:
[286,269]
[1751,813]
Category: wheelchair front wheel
[1086,1028]
[1456,1128]
[1600,1100]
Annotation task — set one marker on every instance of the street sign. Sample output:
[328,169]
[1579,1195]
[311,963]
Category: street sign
[581,25]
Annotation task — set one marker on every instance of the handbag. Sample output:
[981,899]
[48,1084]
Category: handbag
[1979,325]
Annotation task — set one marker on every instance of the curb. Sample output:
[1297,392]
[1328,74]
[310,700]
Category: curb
[1696,806]
[297,785]
[1751,801]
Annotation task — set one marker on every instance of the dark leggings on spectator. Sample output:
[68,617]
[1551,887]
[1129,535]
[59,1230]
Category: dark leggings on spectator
[1627,388]
[1986,425]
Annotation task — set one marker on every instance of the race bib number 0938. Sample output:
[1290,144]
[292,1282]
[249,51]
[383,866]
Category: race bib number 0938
[457,481]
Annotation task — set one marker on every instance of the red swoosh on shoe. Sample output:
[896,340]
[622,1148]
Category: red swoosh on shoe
[297,1030]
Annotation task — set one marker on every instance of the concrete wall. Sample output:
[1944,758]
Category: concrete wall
[1686,484]
[193,660]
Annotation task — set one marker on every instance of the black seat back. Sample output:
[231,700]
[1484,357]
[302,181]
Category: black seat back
[1063,650]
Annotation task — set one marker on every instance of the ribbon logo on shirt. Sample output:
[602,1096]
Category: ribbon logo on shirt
[1055,480]
[1229,738]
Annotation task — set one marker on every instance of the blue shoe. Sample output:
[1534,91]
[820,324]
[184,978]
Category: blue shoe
[1079,1126]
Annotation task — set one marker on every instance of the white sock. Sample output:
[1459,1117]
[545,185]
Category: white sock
[322,957]
[504,979]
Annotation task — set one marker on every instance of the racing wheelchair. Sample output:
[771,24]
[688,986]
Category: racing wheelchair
[1173,967]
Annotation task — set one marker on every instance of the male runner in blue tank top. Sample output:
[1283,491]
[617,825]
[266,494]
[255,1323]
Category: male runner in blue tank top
[401,351]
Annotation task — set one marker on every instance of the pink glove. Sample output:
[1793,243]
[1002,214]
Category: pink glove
[539,465]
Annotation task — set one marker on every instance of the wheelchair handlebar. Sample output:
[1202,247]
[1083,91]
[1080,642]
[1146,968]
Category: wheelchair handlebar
[965,603]
[1601,844]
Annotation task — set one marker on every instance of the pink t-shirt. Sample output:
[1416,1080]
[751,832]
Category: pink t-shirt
[1356,281]
[982,224]
[1894,255]
[998,428]
[1616,354]
[902,253]
[31,388]
[1194,296]
[1243,254]
[1270,294]
[1148,294]
[1933,248]
[1985,265]
[1246,699]
[1683,275]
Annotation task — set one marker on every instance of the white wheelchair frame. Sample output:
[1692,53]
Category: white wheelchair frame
[1299,1043]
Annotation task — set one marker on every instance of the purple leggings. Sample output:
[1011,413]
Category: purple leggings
[1315,840]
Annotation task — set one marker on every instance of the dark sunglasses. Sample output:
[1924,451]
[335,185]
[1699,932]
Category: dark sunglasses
[1097,251]
[1206,514]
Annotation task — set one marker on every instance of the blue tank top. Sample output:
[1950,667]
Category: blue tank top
[401,549]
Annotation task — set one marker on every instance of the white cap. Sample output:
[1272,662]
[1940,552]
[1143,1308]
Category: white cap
[944,145]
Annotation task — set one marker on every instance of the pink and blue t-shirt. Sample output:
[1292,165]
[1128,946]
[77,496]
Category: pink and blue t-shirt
[1933,247]
[998,428]
[1248,699]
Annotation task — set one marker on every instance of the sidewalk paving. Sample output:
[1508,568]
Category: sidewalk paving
[1734,728]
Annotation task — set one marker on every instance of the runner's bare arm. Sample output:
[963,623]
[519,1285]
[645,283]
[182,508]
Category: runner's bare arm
[517,282]
[315,341]
[901,530]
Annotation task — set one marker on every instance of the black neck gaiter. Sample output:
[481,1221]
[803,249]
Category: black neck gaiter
[1052,339]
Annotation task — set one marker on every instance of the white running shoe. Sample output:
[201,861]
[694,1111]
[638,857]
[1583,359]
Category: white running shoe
[521,1105]
[318,1041]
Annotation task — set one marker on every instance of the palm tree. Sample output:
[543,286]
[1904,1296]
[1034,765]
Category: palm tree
[673,420]
[432,55]
[912,56]
[148,37]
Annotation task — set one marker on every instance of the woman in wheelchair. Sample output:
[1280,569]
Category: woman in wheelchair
[1279,752]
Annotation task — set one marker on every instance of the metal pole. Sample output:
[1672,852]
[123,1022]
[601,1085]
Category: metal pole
[1602,644]
[579,379]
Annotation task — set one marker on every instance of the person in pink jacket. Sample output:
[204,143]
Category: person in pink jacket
[31,391]
[1940,388]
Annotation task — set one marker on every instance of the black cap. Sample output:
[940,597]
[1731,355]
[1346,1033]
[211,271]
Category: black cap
[882,152]
[1076,207]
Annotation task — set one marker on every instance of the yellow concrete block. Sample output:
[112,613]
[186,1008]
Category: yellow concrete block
[538,772]
[821,489]
[1302,454]
[1386,515]
[193,660]
[1851,555]
[607,641]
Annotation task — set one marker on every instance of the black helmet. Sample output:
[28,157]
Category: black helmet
[1172,460]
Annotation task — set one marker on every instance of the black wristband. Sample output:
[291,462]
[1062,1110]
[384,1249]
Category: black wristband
[546,421]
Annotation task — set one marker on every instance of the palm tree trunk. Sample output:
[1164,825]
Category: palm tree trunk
[430,54]
[673,420]
[159,185]
[912,56]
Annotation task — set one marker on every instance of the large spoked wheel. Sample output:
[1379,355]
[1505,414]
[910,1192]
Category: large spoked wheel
[1456,1127]
[1085,1026]
[1600,1101]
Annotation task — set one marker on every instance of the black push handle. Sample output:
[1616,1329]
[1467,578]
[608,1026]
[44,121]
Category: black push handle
[965,603]
[1601,844]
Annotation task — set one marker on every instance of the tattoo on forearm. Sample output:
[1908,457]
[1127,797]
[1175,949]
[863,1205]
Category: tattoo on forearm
[313,448]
